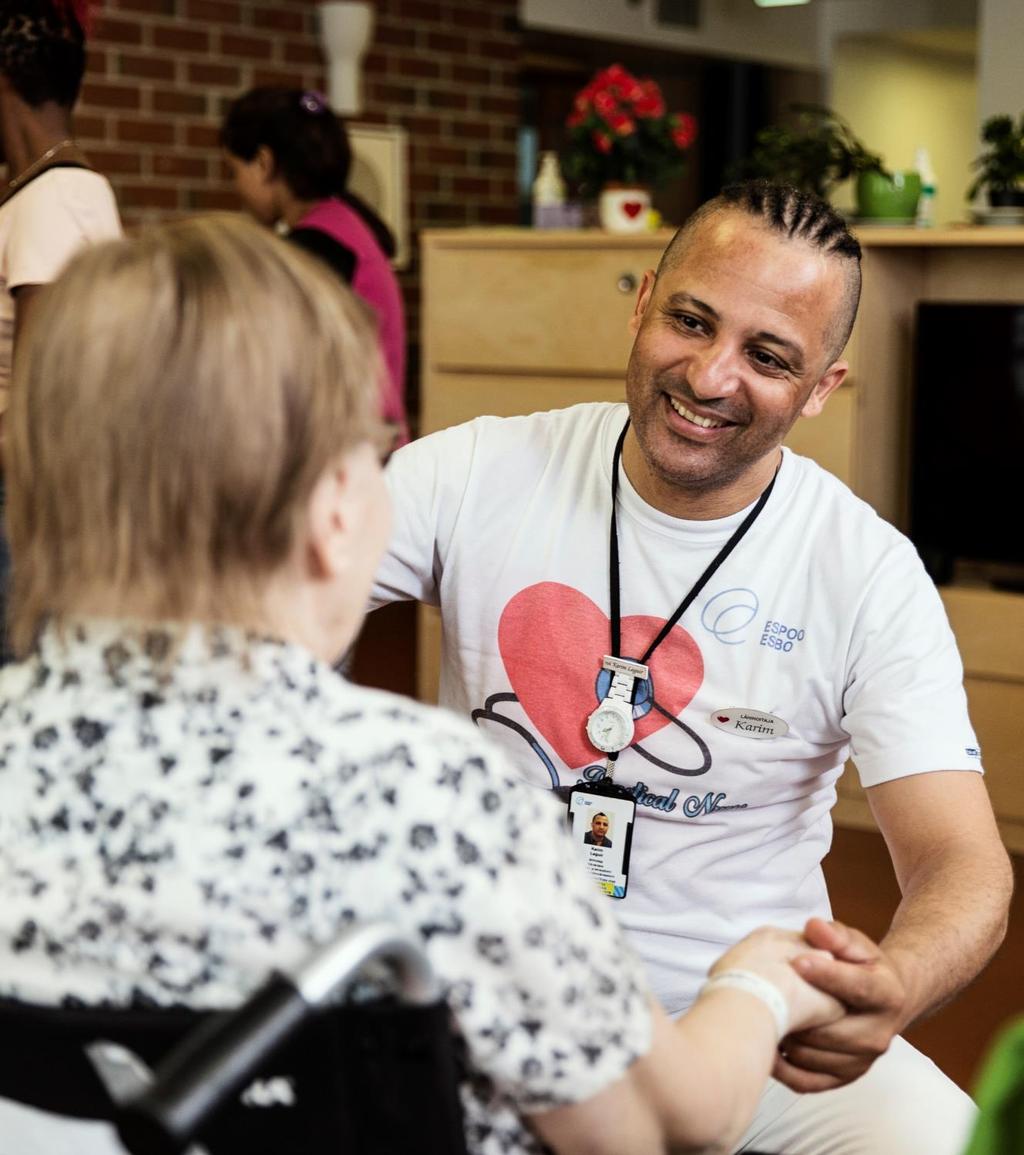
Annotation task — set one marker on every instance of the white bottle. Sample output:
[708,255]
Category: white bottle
[548,193]
[926,201]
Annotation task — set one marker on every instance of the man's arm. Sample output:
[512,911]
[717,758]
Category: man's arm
[956,881]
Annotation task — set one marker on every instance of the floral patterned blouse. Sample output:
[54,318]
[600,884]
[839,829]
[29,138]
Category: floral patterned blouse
[181,811]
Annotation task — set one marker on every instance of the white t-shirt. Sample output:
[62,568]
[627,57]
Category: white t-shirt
[822,617]
[42,226]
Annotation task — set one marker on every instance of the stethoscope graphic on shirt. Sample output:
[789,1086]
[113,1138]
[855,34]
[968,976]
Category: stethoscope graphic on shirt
[624,688]
[644,703]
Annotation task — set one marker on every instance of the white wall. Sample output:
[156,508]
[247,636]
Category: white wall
[1001,58]
[897,98]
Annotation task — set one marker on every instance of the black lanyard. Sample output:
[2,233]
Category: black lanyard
[699,584]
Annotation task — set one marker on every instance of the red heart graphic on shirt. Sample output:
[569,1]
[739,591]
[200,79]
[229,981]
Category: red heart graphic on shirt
[552,639]
[723,717]
[632,208]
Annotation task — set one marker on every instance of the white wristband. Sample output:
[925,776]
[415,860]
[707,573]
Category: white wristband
[757,986]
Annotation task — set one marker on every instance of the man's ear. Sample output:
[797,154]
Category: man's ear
[821,392]
[328,523]
[643,299]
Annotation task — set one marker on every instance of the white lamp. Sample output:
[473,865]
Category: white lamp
[345,31]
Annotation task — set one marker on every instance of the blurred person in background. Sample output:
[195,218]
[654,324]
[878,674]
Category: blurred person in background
[54,203]
[290,157]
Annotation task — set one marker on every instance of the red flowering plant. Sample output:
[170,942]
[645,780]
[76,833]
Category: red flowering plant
[619,131]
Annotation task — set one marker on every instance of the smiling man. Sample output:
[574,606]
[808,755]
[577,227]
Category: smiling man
[738,624]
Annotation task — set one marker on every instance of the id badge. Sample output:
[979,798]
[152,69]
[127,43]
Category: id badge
[601,819]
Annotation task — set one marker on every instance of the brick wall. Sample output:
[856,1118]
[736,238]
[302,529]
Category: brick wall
[161,71]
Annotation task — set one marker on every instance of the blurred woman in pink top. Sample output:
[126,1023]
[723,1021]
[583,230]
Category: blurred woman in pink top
[290,158]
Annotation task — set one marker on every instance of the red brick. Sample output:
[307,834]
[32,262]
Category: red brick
[172,164]
[388,94]
[501,105]
[213,200]
[176,102]
[470,74]
[110,162]
[248,47]
[438,98]
[181,39]
[471,130]
[145,131]
[228,75]
[216,11]
[308,53]
[159,7]
[440,154]
[448,43]
[394,36]
[90,127]
[147,67]
[150,196]
[475,186]
[282,19]
[96,62]
[425,10]
[498,214]
[419,66]
[202,135]
[501,50]
[279,77]
[110,95]
[108,30]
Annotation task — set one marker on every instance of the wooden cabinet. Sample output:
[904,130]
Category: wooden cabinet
[519,320]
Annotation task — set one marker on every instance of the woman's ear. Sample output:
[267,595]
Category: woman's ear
[329,524]
[266,163]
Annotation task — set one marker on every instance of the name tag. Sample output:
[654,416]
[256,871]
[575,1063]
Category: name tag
[748,723]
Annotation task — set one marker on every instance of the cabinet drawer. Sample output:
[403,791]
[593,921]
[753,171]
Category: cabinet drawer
[828,438]
[551,310]
[451,398]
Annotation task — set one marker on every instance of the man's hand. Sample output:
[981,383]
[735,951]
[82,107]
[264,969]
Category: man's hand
[861,976]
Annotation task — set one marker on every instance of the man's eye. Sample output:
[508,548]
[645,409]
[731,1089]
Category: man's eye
[689,321]
[767,360]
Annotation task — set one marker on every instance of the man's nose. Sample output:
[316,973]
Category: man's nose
[714,372]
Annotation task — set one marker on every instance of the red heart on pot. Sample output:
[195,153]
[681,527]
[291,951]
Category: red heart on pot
[632,208]
[552,639]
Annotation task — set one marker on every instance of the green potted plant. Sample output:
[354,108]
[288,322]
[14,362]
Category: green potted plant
[1001,165]
[820,152]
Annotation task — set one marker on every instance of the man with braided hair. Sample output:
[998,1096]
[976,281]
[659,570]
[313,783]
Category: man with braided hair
[774,626]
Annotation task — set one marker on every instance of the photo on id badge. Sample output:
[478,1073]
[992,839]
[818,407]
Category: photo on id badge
[602,829]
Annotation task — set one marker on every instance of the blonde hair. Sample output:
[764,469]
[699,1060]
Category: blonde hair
[176,397]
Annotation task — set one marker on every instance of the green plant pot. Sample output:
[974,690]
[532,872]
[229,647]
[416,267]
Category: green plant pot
[880,197]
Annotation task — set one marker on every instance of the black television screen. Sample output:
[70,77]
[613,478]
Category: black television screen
[967,450]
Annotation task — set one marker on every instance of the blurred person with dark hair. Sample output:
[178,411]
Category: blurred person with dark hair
[291,157]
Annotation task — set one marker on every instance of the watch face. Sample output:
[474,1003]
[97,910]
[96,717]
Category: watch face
[610,727]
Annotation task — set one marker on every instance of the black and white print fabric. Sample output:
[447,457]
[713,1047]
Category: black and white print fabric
[182,811]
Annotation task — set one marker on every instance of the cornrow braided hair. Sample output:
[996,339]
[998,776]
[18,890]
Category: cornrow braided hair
[794,213]
[42,49]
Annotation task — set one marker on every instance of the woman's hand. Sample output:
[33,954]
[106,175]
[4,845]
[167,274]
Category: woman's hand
[769,952]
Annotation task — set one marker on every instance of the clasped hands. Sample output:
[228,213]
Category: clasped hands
[855,971]
[845,996]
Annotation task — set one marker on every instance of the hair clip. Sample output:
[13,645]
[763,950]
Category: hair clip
[313,102]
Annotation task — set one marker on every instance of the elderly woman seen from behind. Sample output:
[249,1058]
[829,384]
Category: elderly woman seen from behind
[189,796]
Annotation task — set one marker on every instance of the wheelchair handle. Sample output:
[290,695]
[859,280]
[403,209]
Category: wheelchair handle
[219,1059]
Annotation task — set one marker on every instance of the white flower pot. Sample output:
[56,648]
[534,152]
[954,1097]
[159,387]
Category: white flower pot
[624,208]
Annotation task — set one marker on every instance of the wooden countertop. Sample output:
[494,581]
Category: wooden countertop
[870,236]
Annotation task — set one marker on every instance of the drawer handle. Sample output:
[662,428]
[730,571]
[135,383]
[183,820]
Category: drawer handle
[626,283]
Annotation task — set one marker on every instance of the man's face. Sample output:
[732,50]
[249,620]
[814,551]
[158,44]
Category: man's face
[599,826]
[732,345]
